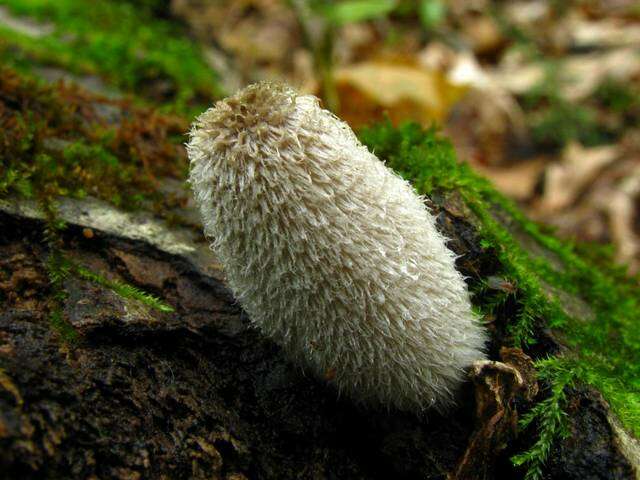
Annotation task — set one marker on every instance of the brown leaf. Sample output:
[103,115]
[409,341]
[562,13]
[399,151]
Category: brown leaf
[579,166]
[516,181]
[404,91]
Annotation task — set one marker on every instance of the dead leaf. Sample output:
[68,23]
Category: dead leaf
[483,34]
[7,384]
[404,91]
[579,75]
[256,36]
[517,181]
[584,73]
[524,13]
[497,386]
[487,117]
[608,32]
[579,166]
[621,209]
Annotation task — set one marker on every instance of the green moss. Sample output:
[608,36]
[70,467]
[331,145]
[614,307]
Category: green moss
[58,270]
[63,328]
[550,415]
[605,345]
[124,44]
[561,121]
[554,121]
[60,267]
[617,96]
[600,118]
[53,141]
[125,290]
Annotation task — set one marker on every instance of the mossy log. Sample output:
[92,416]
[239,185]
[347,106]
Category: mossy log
[198,393]
[123,355]
[99,379]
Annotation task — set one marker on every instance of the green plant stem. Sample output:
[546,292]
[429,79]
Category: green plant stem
[317,36]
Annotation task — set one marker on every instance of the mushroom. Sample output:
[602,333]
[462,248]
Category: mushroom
[331,254]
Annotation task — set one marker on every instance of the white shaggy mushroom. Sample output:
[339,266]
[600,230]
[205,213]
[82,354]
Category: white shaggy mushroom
[331,254]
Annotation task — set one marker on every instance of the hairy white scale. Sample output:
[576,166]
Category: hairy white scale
[332,254]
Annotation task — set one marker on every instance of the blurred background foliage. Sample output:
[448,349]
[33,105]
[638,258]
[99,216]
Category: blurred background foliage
[540,96]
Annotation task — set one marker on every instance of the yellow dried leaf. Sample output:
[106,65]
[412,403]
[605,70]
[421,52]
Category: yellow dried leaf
[404,91]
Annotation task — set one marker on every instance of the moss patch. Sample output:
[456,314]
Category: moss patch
[605,345]
[122,43]
[123,289]
[59,140]
[601,118]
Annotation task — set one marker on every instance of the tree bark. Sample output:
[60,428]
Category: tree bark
[198,393]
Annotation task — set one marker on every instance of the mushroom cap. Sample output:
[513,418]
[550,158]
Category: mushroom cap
[332,254]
